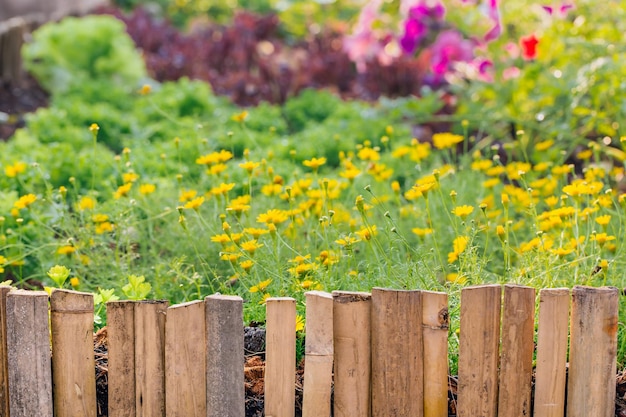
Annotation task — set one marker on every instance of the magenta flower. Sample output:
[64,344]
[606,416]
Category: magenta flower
[416,27]
[560,11]
[450,47]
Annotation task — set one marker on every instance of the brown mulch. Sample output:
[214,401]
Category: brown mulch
[254,369]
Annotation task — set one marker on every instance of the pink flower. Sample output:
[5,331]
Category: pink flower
[560,11]
[510,73]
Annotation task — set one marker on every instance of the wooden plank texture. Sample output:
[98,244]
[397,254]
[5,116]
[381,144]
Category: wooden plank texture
[478,351]
[435,334]
[516,357]
[397,353]
[28,347]
[224,356]
[352,330]
[73,364]
[593,352]
[121,353]
[280,357]
[318,364]
[185,360]
[150,358]
[552,333]
[4,372]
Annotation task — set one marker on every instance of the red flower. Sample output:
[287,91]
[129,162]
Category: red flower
[529,47]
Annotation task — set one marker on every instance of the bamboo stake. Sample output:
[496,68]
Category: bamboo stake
[435,329]
[185,360]
[318,367]
[516,359]
[552,335]
[593,349]
[478,351]
[150,358]
[4,372]
[73,364]
[225,390]
[121,355]
[28,348]
[280,357]
[397,353]
[352,329]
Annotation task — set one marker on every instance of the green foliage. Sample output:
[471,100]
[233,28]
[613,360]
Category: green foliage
[137,288]
[77,51]
[309,106]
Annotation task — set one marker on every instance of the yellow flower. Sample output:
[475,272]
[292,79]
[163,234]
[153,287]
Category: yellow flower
[368,154]
[314,163]
[446,140]
[215,158]
[25,201]
[273,216]
[247,264]
[130,177]
[86,203]
[146,189]
[221,238]
[3,262]
[299,323]
[66,250]
[186,195]
[145,89]
[217,169]
[602,238]
[542,146]
[261,286]
[14,170]
[123,190]
[94,128]
[264,299]
[347,241]
[458,247]
[240,117]
[271,189]
[74,282]
[195,203]
[367,232]
[456,278]
[251,246]
[255,232]
[500,231]
[222,189]
[463,211]
[249,166]
[422,231]
[104,227]
[603,220]
[586,154]
[99,218]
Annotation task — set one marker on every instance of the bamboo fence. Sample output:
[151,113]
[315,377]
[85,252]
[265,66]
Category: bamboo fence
[383,353]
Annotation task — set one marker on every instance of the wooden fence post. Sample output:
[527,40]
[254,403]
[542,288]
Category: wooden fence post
[121,353]
[280,357]
[593,352]
[435,334]
[150,358]
[4,373]
[225,389]
[516,358]
[73,363]
[552,335]
[352,335]
[397,353]
[478,351]
[28,348]
[318,365]
[185,360]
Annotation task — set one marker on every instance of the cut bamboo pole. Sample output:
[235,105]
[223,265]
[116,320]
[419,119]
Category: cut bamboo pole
[121,355]
[435,335]
[516,358]
[150,358]
[225,390]
[397,353]
[185,360]
[4,372]
[73,364]
[318,365]
[280,357]
[28,348]
[552,335]
[593,350]
[352,330]
[478,351]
